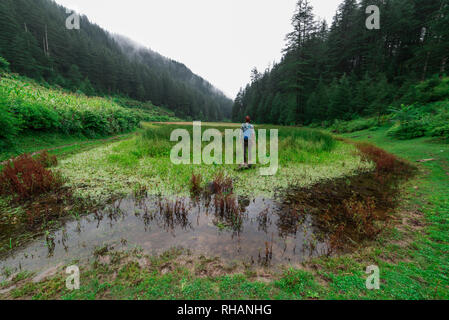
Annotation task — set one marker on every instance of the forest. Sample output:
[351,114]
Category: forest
[95,62]
[346,71]
[91,180]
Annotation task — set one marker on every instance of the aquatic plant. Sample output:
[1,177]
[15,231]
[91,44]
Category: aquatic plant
[195,184]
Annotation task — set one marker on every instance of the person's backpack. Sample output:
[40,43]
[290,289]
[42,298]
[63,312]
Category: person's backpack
[247,130]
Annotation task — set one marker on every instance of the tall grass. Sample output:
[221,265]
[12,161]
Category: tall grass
[48,109]
[28,106]
[298,145]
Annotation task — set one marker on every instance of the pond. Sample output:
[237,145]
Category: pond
[259,231]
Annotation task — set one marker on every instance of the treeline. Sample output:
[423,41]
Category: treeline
[35,41]
[346,70]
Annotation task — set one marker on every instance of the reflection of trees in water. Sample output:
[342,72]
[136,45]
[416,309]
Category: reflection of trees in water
[174,213]
[228,209]
[229,212]
[167,214]
[263,220]
[289,221]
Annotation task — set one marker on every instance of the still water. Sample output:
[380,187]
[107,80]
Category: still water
[259,231]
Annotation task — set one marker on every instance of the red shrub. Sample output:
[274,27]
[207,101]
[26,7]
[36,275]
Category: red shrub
[47,159]
[385,162]
[26,177]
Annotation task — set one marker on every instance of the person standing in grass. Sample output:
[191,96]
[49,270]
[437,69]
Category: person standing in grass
[248,135]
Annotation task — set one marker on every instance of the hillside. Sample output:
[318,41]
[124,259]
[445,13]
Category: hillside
[347,71]
[26,107]
[34,39]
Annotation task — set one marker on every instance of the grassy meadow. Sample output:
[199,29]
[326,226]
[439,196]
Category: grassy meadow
[412,253]
[305,156]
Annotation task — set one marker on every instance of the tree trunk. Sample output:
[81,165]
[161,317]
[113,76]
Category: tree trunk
[443,66]
[426,64]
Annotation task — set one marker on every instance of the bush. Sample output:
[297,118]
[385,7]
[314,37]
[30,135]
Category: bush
[29,106]
[25,177]
[431,90]
[47,160]
[408,130]
[442,131]
[385,162]
[9,125]
[353,126]
[4,65]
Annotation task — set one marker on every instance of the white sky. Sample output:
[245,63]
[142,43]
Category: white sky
[220,40]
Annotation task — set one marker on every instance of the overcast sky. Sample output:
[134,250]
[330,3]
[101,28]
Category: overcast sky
[220,40]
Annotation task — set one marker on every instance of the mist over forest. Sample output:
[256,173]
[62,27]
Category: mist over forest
[34,40]
[344,71]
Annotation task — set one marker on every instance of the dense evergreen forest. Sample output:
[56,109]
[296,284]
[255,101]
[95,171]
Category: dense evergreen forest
[35,41]
[346,71]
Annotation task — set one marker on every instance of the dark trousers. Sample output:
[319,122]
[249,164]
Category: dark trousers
[245,151]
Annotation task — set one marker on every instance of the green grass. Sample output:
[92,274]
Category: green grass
[61,145]
[306,156]
[28,108]
[413,255]
[142,278]
[414,263]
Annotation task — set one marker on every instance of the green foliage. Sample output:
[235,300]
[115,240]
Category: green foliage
[352,126]
[10,126]
[442,131]
[4,65]
[408,130]
[152,113]
[27,106]
[299,284]
[344,72]
[431,90]
[94,62]
[416,121]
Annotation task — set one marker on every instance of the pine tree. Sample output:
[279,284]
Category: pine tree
[304,27]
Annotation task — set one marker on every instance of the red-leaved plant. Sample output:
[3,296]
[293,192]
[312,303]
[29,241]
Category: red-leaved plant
[25,177]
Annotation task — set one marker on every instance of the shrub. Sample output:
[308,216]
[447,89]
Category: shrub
[353,126]
[385,162]
[4,65]
[408,130]
[35,107]
[47,160]
[431,90]
[25,177]
[442,131]
[9,125]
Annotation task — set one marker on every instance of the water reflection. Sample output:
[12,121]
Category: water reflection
[227,226]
